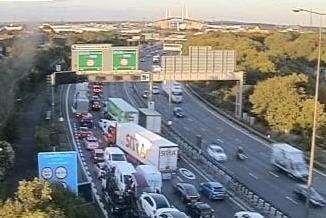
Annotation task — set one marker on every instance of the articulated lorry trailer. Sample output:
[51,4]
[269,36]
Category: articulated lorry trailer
[146,147]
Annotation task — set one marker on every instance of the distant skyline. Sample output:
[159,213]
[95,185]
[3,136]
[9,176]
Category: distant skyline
[262,11]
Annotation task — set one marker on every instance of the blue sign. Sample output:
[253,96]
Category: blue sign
[59,167]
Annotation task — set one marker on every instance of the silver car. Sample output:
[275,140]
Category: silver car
[216,152]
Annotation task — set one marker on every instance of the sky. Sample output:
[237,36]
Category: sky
[263,11]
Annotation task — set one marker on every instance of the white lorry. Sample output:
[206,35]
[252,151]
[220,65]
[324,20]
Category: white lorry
[290,160]
[146,147]
[81,101]
[123,175]
[152,176]
[174,91]
[150,119]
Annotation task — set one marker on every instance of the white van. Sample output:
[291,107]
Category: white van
[113,156]
[290,160]
[152,176]
[123,175]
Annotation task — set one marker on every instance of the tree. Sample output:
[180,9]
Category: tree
[282,103]
[33,199]
[7,158]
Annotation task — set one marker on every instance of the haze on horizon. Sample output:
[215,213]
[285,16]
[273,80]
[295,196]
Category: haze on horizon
[263,11]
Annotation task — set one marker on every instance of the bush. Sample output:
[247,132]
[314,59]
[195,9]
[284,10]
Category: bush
[42,139]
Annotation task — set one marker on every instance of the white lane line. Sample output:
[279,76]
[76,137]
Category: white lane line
[202,129]
[207,179]
[231,124]
[179,178]
[187,128]
[293,201]
[220,140]
[253,176]
[190,120]
[270,172]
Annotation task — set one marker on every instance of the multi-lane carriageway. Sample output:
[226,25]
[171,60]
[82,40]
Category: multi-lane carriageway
[225,208]
[256,172]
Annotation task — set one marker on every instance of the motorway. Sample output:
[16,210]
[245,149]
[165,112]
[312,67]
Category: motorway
[256,173]
[225,208]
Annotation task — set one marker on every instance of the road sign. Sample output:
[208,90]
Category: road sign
[124,59]
[144,77]
[59,167]
[90,60]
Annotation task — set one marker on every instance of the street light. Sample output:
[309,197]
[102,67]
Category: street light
[314,127]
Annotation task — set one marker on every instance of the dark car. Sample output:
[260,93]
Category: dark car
[200,210]
[96,106]
[301,191]
[177,111]
[188,192]
[213,190]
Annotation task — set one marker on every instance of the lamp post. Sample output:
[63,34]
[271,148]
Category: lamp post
[314,127]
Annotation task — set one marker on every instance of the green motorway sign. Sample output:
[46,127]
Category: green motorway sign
[90,60]
[124,60]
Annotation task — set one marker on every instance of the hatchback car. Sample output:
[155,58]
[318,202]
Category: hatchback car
[188,192]
[153,203]
[155,90]
[171,213]
[213,190]
[200,210]
[177,111]
[83,132]
[145,94]
[301,191]
[216,152]
[91,143]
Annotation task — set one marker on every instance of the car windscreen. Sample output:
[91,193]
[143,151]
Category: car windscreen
[118,157]
[161,203]
[190,190]
[217,150]
[177,93]
[92,140]
[218,189]
[315,194]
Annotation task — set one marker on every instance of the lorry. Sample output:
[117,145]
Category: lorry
[289,159]
[122,111]
[145,147]
[81,101]
[173,90]
[150,119]
[152,176]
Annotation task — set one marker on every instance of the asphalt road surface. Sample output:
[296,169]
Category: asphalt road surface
[225,208]
[256,172]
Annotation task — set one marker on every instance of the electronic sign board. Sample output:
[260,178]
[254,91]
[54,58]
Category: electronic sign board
[59,167]
[90,60]
[124,59]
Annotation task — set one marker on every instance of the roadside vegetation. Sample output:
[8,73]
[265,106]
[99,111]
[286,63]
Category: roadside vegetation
[38,198]
[279,81]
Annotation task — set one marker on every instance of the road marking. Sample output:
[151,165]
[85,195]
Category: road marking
[179,178]
[293,201]
[252,175]
[190,120]
[187,173]
[186,128]
[233,125]
[270,172]
[220,140]
[202,129]
[208,179]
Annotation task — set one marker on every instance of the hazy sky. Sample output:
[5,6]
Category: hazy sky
[270,11]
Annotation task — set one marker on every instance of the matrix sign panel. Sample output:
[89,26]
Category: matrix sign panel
[59,167]
[90,60]
[124,59]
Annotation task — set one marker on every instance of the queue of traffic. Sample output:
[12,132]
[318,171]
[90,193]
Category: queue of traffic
[132,161]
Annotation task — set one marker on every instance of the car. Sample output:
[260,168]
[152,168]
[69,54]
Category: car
[145,94]
[170,213]
[91,143]
[86,120]
[177,112]
[213,190]
[188,192]
[216,152]
[155,90]
[248,214]
[156,68]
[142,60]
[83,132]
[96,106]
[200,210]
[153,203]
[301,191]
[98,155]
[95,98]
[113,156]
